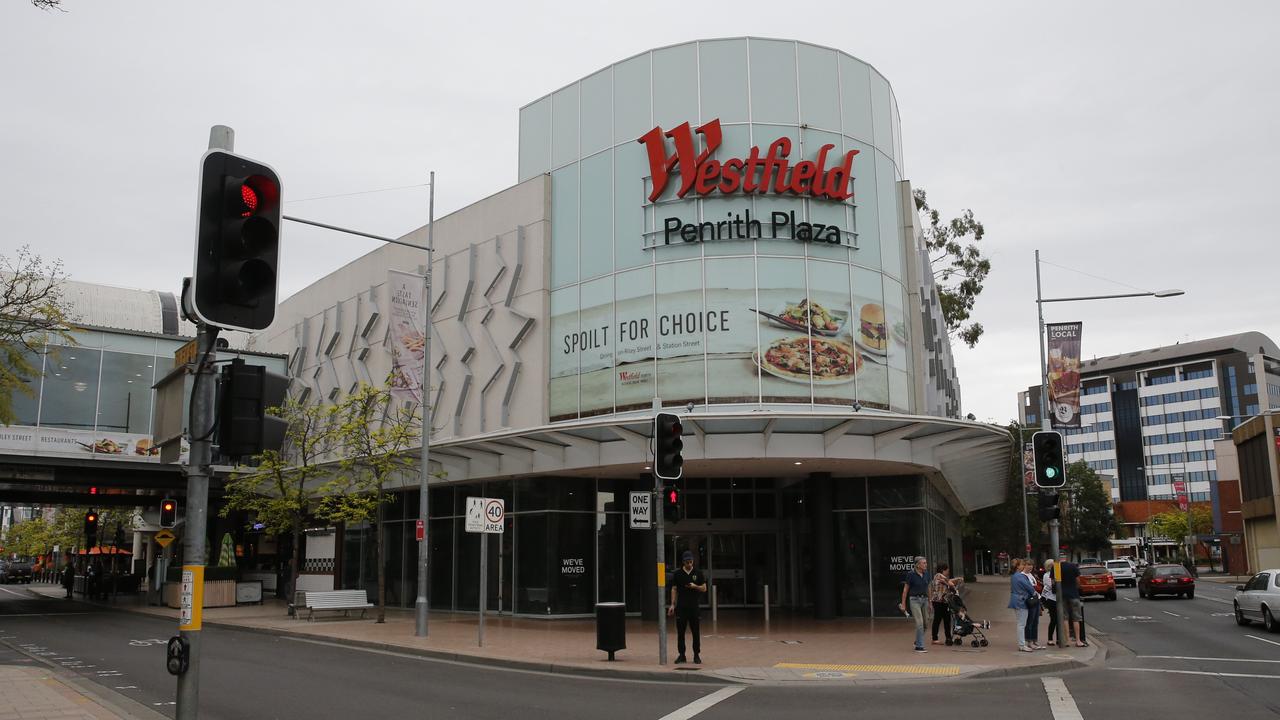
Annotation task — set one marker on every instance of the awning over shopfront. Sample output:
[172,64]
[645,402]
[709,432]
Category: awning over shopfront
[968,462]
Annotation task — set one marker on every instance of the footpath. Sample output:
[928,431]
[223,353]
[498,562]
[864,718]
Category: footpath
[33,692]
[739,648]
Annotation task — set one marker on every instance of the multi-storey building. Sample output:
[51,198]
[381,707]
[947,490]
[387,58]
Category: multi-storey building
[1149,418]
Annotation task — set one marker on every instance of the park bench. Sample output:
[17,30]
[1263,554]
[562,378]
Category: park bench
[344,600]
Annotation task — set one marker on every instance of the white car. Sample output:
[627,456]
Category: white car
[1259,599]
[1123,571]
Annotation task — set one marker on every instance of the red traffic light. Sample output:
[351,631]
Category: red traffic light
[93,491]
[250,200]
[673,496]
[91,517]
[167,507]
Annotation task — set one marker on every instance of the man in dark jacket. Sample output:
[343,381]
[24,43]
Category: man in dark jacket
[68,577]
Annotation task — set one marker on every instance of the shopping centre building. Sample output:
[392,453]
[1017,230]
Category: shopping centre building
[721,228]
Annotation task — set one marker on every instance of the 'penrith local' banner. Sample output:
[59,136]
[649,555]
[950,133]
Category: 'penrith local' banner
[1064,374]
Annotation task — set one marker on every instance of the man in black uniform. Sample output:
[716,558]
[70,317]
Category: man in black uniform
[686,585]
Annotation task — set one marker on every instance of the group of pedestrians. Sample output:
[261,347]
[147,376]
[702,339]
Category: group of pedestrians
[920,592]
[1030,596]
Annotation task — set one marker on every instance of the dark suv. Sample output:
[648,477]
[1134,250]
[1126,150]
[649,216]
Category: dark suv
[1166,580]
[15,571]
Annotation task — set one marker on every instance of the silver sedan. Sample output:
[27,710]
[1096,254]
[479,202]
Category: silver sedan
[1259,599]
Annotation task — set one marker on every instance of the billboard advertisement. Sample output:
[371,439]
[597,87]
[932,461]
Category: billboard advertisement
[1064,374]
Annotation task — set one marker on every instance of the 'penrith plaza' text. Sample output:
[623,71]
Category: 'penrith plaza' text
[741,226]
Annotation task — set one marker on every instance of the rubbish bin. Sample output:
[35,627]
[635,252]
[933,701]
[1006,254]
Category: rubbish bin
[611,627]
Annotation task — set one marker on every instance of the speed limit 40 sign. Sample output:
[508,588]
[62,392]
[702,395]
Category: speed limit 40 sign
[486,515]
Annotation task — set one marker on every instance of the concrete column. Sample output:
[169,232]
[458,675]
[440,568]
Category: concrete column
[820,494]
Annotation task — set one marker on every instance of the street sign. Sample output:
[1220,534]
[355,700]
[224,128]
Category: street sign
[420,531]
[164,537]
[641,515]
[486,515]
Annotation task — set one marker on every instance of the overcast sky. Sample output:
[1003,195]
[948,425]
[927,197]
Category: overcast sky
[1133,141]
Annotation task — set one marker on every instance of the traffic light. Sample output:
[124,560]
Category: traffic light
[667,446]
[237,243]
[1049,509]
[1046,447]
[671,503]
[245,394]
[91,528]
[168,513]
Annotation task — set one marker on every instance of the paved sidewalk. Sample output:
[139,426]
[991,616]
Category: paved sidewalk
[739,648]
[36,693]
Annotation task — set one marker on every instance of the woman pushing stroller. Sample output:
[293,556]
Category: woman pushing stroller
[940,589]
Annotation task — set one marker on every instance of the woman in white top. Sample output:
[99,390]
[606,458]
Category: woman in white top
[1049,599]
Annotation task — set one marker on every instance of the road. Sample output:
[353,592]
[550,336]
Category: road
[1167,658]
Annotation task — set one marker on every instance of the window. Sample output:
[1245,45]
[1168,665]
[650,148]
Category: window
[1095,389]
[70,397]
[1203,371]
[1251,389]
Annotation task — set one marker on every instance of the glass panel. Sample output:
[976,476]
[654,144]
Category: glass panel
[717,207]
[597,112]
[124,404]
[887,211]
[897,536]
[611,530]
[533,494]
[535,139]
[564,126]
[26,405]
[727,569]
[675,86]
[851,563]
[532,595]
[819,87]
[630,169]
[831,320]
[866,211]
[773,81]
[71,388]
[351,539]
[632,116]
[636,336]
[597,216]
[572,546]
[467,556]
[855,99]
[565,353]
[681,333]
[786,376]
[744,505]
[851,493]
[399,593]
[723,68]
[881,113]
[895,298]
[597,343]
[762,568]
[440,502]
[870,337]
[895,492]
[564,226]
[732,375]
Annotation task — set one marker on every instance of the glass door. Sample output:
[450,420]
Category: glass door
[728,570]
[761,568]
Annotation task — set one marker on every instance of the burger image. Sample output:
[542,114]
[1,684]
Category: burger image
[872,333]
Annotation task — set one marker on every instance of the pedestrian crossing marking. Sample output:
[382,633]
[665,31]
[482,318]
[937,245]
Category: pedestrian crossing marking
[942,670]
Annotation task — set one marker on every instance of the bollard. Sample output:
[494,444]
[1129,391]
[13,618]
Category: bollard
[766,606]
[715,592]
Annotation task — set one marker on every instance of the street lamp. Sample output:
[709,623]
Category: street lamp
[1044,376]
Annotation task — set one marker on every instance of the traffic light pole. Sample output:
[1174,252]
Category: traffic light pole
[659,537]
[203,393]
[1044,425]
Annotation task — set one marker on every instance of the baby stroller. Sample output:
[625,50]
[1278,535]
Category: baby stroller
[962,626]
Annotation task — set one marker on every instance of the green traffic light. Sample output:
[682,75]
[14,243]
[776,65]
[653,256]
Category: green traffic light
[1050,473]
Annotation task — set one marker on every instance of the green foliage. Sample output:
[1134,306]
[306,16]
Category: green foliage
[32,313]
[373,435]
[1173,524]
[959,267]
[1088,522]
[30,538]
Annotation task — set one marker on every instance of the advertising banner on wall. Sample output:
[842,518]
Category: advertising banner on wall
[729,345]
[1028,466]
[408,334]
[103,444]
[1064,374]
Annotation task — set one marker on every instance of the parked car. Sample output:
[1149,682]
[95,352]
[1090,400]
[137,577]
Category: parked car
[1166,579]
[1096,580]
[1258,599]
[16,571]
[1090,561]
[1124,572]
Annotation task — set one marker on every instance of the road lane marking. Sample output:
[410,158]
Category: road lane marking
[16,594]
[1206,659]
[1060,702]
[1127,599]
[42,614]
[1255,637]
[703,703]
[1166,612]
[1202,672]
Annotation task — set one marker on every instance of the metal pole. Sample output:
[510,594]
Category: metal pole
[484,584]
[661,570]
[766,606]
[420,605]
[1044,425]
[715,594]
[203,390]
[1026,519]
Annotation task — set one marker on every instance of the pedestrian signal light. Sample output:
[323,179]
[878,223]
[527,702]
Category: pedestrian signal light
[168,513]
[1049,508]
[1046,448]
[671,503]
[668,462]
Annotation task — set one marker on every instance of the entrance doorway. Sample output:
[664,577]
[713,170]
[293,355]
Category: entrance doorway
[738,564]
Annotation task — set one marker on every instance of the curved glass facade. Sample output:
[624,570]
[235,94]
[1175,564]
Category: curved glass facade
[724,297]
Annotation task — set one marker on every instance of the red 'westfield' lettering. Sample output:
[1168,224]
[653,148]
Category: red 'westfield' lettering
[754,174]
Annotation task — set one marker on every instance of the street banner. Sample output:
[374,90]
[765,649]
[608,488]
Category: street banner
[1064,374]
[408,334]
[1180,491]
[1028,466]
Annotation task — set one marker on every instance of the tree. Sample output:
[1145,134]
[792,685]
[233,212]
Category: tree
[959,269]
[283,490]
[373,435]
[1173,524]
[30,538]
[1088,522]
[32,312]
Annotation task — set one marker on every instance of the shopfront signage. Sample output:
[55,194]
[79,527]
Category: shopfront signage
[770,171]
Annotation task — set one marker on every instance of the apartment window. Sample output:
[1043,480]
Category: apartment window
[1251,389]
